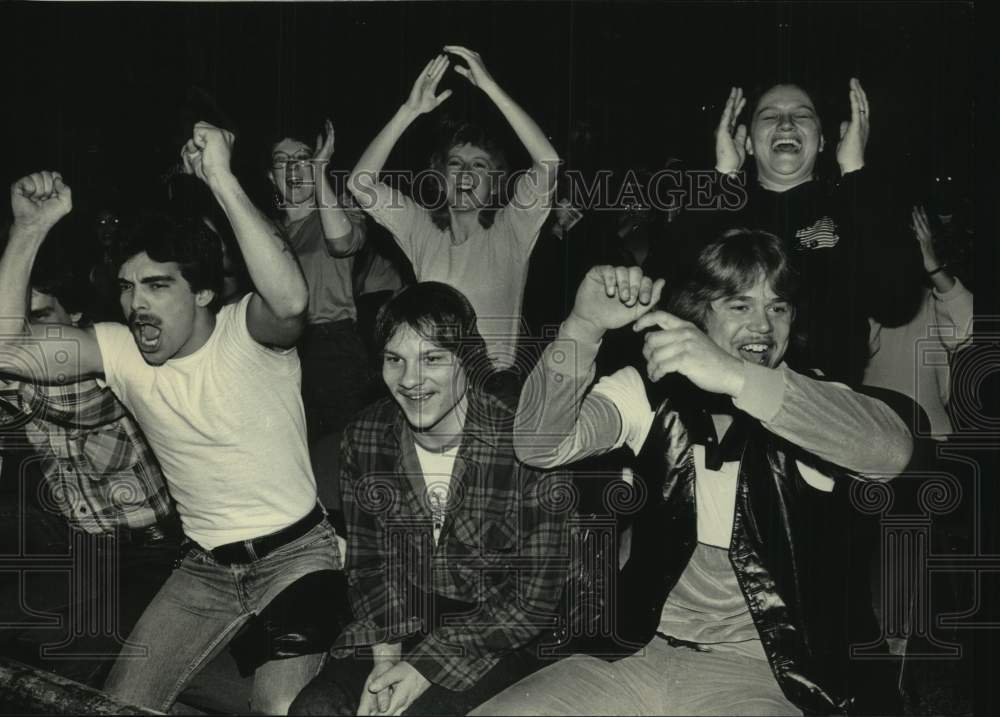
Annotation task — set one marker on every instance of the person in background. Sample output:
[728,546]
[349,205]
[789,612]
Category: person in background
[828,229]
[476,242]
[326,236]
[903,356]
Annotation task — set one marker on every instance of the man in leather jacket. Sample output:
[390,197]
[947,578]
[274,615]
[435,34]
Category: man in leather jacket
[738,596]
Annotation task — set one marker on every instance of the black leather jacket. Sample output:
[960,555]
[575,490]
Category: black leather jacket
[795,552]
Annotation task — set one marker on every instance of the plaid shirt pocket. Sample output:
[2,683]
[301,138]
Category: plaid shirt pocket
[106,450]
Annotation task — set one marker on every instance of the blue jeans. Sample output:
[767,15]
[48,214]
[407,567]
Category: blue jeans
[659,680]
[199,610]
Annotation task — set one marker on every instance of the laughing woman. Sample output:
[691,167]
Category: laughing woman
[327,238]
[474,243]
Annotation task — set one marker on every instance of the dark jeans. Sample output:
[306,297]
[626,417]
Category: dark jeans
[336,378]
[69,599]
[336,690]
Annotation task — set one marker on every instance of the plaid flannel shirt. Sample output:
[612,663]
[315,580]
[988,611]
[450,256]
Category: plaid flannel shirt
[503,548]
[100,471]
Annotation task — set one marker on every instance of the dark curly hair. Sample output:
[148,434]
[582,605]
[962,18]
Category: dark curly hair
[169,237]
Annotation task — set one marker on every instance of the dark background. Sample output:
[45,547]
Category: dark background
[103,92]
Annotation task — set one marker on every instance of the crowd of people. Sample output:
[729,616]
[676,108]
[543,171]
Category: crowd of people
[374,470]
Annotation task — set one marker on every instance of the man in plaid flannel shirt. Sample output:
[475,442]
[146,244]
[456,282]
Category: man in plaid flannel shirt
[457,552]
[99,469]
[98,472]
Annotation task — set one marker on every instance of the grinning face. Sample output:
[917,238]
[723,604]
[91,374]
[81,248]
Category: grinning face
[468,180]
[292,172]
[429,384]
[162,309]
[47,309]
[785,137]
[755,325]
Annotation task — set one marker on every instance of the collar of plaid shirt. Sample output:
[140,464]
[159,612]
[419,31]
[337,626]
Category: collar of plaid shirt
[483,418]
[481,434]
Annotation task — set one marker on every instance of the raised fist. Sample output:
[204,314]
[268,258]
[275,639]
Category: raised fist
[207,154]
[40,199]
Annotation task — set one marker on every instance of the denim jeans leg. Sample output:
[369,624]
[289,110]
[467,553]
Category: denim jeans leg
[278,682]
[198,611]
[191,618]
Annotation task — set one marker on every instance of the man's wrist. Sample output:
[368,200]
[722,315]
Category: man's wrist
[848,168]
[737,378]
[581,329]
[29,232]
[406,113]
[222,181]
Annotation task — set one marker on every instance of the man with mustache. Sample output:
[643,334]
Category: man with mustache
[738,595]
[216,391]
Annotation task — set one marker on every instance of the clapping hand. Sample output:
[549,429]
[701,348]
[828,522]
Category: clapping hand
[854,134]
[730,138]
[925,238]
[476,72]
[324,145]
[422,97]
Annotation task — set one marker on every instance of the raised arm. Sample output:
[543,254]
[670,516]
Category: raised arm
[342,234]
[277,310]
[829,420]
[556,421]
[42,354]
[545,160]
[364,183]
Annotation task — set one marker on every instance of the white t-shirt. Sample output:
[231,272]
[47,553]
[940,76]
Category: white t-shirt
[226,424]
[490,267]
[437,469]
[715,490]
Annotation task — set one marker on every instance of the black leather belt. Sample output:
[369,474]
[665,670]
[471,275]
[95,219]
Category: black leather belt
[248,551]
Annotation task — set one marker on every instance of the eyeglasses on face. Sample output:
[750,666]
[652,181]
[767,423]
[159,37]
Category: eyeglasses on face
[279,160]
